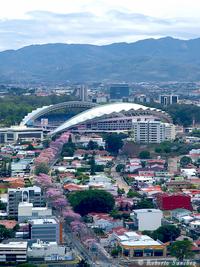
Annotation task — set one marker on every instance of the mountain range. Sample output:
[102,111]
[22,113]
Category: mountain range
[165,59]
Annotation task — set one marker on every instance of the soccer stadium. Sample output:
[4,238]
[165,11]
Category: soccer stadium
[149,125]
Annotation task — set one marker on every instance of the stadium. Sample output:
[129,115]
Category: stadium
[148,125]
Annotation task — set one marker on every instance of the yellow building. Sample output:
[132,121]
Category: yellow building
[135,245]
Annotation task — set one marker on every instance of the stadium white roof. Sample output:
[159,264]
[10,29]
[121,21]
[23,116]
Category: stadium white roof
[100,111]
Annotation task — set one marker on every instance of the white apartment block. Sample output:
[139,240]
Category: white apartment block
[147,219]
[153,131]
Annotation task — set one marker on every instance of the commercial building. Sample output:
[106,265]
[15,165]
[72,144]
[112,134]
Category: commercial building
[142,99]
[29,194]
[119,91]
[48,229]
[48,251]
[13,252]
[166,100]
[15,133]
[26,211]
[140,246]
[147,219]
[173,201]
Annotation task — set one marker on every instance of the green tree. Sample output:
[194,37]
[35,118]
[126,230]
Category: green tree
[30,147]
[166,233]
[132,194]
[181,249]
[144,204]
[68,148]
[144,155]
[120,191]
[185,161]
[114,142]
[92,145]
[115,214]
[5,233]
[120,168]
[2,206]
[88,201]
[116,251]
[41,168]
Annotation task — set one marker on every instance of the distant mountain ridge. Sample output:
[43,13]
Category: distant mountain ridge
[165,59]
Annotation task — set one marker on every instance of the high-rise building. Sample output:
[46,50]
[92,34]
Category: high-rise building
[29,194]
[152,131]
[166,100]
[83,94]
[46,230]
[119,91]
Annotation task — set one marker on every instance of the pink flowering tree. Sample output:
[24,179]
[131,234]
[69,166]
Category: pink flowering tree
[70,215]
[53,193]
[60,203]
[43,180]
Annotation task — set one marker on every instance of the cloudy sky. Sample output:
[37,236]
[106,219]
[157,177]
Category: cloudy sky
[25,22]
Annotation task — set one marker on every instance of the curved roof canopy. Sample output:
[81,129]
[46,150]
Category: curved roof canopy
[103,110]
[30,117]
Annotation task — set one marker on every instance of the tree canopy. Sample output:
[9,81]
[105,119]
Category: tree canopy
[166,233]
[185,161]
[144,155]
[114,142]
[90,200]
[144,204]
[181,249]
[41,168]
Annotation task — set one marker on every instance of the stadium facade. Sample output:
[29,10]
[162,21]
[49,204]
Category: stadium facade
[148,125]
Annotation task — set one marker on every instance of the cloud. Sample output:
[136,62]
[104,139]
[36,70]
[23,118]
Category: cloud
[86,27]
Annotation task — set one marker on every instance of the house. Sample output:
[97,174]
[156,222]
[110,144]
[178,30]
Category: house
[178,214]
[101,181]
[74,187]
[189,172]
[105,221]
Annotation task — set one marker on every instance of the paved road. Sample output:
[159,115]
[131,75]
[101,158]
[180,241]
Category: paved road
[94,259]
[119,179]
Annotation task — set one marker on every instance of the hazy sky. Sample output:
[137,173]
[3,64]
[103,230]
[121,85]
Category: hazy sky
[25,22]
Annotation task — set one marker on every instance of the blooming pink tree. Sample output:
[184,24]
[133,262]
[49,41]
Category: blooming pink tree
[53,193]
[71,215]
[43,180]
[60,203]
